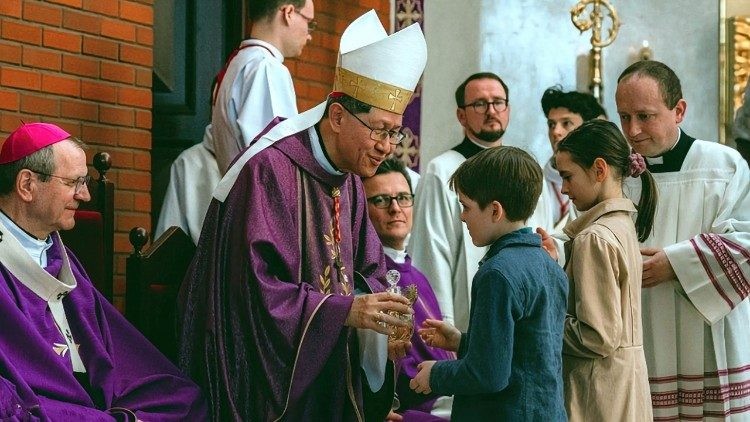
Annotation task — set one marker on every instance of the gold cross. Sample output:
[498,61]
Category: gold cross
[357,84]
[395,97]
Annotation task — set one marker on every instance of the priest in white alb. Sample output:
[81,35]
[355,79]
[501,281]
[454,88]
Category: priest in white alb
[696,263]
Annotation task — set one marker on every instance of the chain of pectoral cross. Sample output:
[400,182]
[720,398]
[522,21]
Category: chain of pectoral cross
[336,194]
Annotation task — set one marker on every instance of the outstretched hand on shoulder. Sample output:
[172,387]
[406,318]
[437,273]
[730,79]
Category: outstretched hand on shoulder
[656,267]
[548,243]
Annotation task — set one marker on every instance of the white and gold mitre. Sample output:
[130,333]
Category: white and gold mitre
[378,69]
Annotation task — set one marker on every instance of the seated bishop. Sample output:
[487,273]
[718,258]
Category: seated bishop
[66,353]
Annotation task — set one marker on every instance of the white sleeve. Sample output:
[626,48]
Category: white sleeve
[173,210]
[267,92]
[713,268]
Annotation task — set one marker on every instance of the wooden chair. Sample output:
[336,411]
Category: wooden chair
[153,278]
[92,239]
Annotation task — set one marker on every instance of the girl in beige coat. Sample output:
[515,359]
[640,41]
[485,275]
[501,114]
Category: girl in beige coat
[604,367]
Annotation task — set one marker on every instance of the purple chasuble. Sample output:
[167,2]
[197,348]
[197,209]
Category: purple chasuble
[125,375]
[416,407]
[264,304]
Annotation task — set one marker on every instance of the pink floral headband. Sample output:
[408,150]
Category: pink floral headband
[637,164]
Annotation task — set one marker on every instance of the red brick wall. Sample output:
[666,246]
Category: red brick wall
[313,71]
[86,66]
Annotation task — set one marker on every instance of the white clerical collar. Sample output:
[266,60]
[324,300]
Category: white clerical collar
[36,248]
[660,158]
[477,143]
[275,51]
[320,156]
[398,256]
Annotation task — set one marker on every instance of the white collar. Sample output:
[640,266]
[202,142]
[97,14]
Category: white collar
[398,256]
[660,158]
[36,248]
[478,144]
[320,156]
[272,48]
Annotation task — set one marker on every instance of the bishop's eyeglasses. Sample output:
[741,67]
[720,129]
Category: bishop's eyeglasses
[394,136]
[77,183]
[404,200]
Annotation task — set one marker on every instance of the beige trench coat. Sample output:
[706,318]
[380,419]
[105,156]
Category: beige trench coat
[604,367]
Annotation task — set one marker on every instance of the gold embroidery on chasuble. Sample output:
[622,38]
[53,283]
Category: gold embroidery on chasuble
[333,240]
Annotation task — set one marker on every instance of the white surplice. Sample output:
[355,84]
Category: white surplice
[697,328]
[192,179]
[256,88]
[440,244]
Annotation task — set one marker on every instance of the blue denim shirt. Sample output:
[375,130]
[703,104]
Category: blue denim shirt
[509,365]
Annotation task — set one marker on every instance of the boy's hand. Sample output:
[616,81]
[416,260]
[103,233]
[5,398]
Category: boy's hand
[548,243]
[421,382]
[440,334]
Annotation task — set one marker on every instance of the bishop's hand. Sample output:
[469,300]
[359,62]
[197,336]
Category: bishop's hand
[371,311]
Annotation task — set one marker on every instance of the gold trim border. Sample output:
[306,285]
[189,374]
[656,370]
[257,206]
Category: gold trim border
[375,93]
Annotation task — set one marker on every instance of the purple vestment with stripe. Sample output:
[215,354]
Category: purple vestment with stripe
[264,303]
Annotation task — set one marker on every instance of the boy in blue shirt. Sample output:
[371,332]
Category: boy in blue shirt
[509,363]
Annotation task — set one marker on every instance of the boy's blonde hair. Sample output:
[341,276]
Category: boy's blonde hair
[505,174]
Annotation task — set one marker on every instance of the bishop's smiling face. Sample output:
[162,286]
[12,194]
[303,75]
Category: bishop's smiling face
[354,150]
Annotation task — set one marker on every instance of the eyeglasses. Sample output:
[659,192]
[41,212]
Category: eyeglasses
[311,23]
[404,200]
[78,183]
[380,135]
[481,106]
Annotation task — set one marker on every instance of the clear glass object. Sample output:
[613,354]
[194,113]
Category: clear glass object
[401,333]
